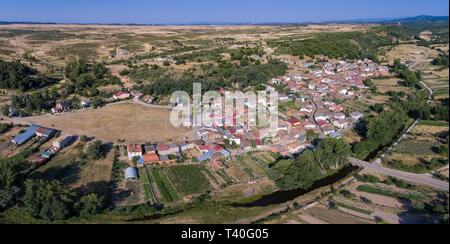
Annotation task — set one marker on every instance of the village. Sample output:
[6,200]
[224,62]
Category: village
[321,89]
[215,123]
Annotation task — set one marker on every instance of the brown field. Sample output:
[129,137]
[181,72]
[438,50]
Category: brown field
[376,99]
[240,191]
[132,122]
[334,216]
[404,52]
[95,176]
[408,159]
[392,84]
[351,136]
[375,198]
[429,130]
[236,172]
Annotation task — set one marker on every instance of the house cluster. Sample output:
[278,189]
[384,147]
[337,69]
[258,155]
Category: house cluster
[133,94]
[168,59]
[58,144]
[332,80]
[322,88]
[64,106]
[43,134]
[169,153]
[337,81]
[61,107]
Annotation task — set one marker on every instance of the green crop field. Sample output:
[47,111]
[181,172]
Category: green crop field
[165,188]
[417,147]
[188,179]
[433,123]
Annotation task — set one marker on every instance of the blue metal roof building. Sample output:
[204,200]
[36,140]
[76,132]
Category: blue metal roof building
[130,173]
[335,134]
[225,152]
[206,155]
[26,135]
[140,161]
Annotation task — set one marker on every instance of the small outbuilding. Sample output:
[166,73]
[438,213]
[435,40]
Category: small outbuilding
[130,173]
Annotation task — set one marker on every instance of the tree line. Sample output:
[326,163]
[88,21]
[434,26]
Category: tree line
[311,165]
[15,75]
[49,200]
[215,77]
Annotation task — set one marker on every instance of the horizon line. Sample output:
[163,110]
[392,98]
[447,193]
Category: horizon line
[223,23]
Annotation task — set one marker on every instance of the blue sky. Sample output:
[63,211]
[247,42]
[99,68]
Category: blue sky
[230,11]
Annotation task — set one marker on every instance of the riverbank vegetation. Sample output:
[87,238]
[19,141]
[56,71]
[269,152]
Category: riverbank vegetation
[330,155]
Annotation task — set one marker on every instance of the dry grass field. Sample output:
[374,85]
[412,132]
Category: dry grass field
[429,131]
[404,52]
[130,122]
[375,99]
[391,84]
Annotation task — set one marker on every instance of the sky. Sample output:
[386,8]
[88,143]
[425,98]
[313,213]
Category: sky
[213,11]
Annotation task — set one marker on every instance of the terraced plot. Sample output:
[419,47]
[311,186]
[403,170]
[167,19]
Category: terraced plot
[188,179]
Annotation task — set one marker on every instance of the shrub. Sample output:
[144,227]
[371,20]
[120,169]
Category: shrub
[83,138]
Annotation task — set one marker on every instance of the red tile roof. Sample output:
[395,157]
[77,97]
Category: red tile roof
[134,148]
[214,147]
[293,121]
[150,157]
[258,142]
[162,147]
[121,93]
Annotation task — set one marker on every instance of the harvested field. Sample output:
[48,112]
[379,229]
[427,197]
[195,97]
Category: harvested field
[404,53]
[334,216]
[132,122]
[310,219]
[392,84]
[408,159]
[237,173]
[375,198]
[427,130]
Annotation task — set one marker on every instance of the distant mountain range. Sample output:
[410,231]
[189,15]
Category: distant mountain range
[420,18]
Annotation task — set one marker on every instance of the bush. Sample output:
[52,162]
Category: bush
[418,205]
[4,127]
[124,72]
[443,150]
[367,178]
[83,138]
[348,194]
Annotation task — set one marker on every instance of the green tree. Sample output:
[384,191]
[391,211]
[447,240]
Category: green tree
[293,174]
[425,112]
[50,200]
[96,150]
[88,205]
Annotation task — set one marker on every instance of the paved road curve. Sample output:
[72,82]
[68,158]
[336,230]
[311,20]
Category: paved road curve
[424,179]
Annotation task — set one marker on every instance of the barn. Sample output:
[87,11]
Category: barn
[26,135]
